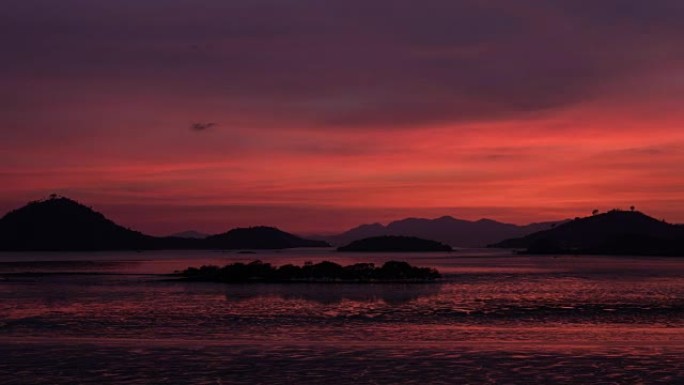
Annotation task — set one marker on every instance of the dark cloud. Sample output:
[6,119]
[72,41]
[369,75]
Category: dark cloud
[348,63]
[201,126]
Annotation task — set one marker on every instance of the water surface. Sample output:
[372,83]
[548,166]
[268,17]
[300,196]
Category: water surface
[497,318]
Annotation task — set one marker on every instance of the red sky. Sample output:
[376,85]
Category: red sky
[331,114]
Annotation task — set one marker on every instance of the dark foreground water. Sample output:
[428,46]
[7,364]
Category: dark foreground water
[97,318]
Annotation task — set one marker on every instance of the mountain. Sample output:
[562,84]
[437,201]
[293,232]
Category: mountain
[614,232]
[394,243]
[64,224]
[260,237]
[448,230]
[190,234]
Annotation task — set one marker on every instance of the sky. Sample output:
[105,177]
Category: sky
[316,116]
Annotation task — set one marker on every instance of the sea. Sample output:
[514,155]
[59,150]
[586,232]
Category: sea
[495,318]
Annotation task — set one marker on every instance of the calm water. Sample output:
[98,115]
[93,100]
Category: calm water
[93,318]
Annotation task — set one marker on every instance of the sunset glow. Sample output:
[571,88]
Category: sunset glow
[325,118]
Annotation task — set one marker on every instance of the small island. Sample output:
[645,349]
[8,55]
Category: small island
[259,238]
[323,272]
[617,232]
[393,243]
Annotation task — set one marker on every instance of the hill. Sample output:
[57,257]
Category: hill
[614,232]
[448,230]
[392,243]
[62,224]
[260,237]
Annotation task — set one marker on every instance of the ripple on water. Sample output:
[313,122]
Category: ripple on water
[573,321]
[77,363]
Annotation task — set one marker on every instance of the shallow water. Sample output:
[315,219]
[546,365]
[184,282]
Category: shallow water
[496,318]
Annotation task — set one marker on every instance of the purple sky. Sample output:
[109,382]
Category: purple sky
[319,115]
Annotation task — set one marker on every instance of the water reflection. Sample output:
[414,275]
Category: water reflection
[505,320]
[329,294]
[18,268]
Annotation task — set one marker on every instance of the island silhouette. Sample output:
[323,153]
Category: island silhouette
[322,272]
[617,232]
[260,237]
[394,243]
[62,224]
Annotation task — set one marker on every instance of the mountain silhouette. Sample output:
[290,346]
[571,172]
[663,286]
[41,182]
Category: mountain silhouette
[394,243]
[62,224]
[446,229]
[614,232]
[260,237]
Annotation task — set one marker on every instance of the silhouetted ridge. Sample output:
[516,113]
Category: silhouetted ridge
[64,224]
[614,232]
[325,271]
[260,237]
[446,229]
[395,243]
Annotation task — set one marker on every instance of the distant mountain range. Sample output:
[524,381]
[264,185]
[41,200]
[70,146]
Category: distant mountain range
[448,230]
[62,224]
[616,232]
